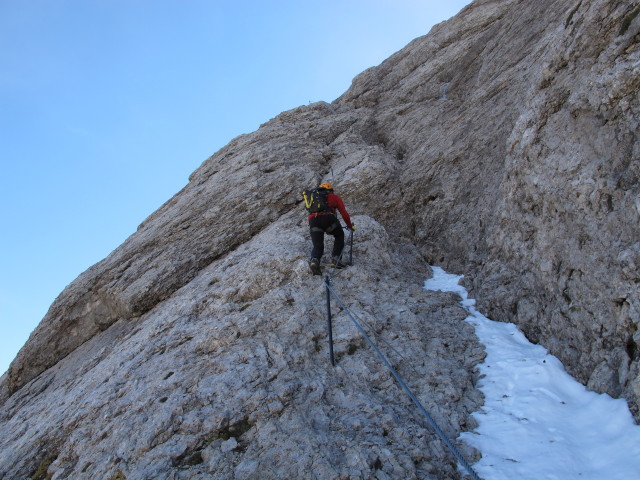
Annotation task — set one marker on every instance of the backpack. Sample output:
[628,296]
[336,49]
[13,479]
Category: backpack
[316,200]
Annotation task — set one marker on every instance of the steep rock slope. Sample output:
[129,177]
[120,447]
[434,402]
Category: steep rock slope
[229,377]
[501,145]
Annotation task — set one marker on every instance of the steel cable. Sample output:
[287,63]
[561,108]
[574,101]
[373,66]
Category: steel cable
[436,428]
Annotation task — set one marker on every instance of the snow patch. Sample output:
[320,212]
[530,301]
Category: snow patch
[537,421]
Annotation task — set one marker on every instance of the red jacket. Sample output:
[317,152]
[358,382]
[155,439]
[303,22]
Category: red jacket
[335,202]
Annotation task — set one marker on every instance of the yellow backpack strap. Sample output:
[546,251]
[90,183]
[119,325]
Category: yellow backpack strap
[307,200]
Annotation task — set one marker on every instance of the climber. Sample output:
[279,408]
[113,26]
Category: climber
[322,203]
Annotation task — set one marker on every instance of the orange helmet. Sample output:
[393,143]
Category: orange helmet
[326,185]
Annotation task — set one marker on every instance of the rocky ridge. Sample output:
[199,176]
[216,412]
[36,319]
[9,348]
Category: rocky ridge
[501,145]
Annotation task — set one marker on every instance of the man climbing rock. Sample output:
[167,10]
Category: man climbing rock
[322,204]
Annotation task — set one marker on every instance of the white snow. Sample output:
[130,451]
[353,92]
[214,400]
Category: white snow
[538,422]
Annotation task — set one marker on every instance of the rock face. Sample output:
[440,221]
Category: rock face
[514,131]
[229,377]
[501,145]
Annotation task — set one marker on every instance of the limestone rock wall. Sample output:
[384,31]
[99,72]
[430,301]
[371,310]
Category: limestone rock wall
[501,145]
[230,377]
[570,201]
[514,131]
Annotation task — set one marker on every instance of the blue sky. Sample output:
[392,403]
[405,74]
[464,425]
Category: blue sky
[107,106]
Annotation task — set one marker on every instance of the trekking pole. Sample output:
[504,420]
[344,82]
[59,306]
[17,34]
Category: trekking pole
[350,245]
[351,248]
[327,282]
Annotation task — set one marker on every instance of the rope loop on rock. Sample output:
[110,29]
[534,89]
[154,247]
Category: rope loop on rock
[436,428]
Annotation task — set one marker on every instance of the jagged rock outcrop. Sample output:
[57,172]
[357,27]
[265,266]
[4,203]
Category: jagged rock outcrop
[502,145]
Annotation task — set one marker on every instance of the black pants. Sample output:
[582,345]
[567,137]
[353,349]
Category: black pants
[320,225]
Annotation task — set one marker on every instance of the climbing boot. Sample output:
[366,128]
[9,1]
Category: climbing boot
[314,266]
[336,263]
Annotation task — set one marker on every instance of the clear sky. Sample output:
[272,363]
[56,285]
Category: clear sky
[107,106]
